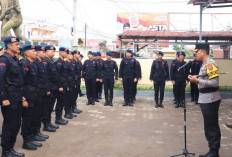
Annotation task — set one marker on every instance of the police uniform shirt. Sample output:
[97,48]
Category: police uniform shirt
[30,81]
[110,69]
[128,68]
[62,72]
[100,65]
[210,80]
[52,74]
[10,75]
[179,75]
[71,74]
[90,69]
[159,70]
[42,74]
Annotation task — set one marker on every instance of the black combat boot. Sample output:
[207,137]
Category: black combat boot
[17,153]
[7,153]
[32,140]
[61,121]
[106,102]
[92,101]
[68,116]
[177,104]
[39,138]
[89,102]
[76,110]
[42,135]
[96,100]
[130,103]
[161,104]
[111,102]
[182,104]
[100,95]
[54,125]
[27,144]
[156,104]
[212,153]
[48,128]
[125,103]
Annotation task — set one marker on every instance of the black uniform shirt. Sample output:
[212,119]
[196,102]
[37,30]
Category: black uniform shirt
[90,70]
[10,75]
[159,70]
[128,68]
[62,72]
[52,74]
[110,69]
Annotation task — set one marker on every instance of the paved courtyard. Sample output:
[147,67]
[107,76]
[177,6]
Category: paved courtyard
[139,131]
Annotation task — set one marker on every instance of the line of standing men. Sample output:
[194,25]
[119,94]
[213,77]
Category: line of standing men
[29,89]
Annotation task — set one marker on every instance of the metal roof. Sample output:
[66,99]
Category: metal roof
[165,35]
[212,3]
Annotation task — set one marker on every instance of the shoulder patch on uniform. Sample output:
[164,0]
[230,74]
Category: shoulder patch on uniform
[2,66]
[45,63]
[212,70]
[59,63]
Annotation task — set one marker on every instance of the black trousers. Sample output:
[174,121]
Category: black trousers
[27,121]
[48,107]
[212,129]
[128,88]
[75,96]
[180,90]
[90,88]
[61,104]
[11,124]
[108,87]
[38,113]
[194,91]
[135,89]
[174,91]
[159,89]
[71,100]
[98,88]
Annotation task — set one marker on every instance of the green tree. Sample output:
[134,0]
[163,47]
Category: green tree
[103,46]
[179,48]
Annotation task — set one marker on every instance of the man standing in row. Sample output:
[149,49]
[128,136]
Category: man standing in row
[41,94]
[179,78]
[11,97]
[194,70]
[99,83]
[128,74]
[138,79]
[30,87]
[52,90]
[90,75]
[159,74]
[77,77]
[110,76]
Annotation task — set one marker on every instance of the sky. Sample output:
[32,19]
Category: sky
[100,15]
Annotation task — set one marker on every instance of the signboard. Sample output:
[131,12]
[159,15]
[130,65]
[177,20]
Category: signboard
[142,22]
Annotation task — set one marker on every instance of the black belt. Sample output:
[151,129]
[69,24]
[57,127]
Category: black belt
[29,89]
[208,90]
[13,89]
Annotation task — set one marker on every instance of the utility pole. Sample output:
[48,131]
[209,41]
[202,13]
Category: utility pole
[75,24]
[200,34]
[85,35]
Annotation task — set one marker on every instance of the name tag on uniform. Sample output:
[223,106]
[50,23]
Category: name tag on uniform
[212,70]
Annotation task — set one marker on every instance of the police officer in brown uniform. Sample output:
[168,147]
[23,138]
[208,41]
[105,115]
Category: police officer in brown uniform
[209,97]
